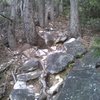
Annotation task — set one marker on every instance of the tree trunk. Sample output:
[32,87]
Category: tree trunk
[61,7]
[52,10]
[74,19]
[11,33]
[29,26]
[49,13]
[56,8]
[41,12]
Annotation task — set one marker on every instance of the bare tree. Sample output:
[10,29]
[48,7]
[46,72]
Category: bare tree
[41,12]
[60,6]
[31,35]
[28,19]
[11,33]
[74,19]
[49,11]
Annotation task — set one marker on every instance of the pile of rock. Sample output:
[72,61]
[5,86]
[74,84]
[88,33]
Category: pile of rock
[51,63]
[30,70]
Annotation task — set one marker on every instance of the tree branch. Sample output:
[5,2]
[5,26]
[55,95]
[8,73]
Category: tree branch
[6,17]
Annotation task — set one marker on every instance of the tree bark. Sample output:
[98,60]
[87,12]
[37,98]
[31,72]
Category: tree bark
[61,7]
[74,19]
[11,33]
[56,8]
[32,36]
[41,12]
[49,11]
[29,26]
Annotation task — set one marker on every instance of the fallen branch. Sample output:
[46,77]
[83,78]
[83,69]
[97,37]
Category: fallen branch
[2,89]
[43,81]
[5,65]
[14,77]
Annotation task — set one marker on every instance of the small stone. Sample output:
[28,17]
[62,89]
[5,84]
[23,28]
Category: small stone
[30,65]
[21,92]
[61,39]
[28,76]
[20,85]
[49,40]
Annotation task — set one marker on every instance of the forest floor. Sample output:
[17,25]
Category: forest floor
[6,76]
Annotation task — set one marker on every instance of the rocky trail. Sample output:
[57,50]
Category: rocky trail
[65,70]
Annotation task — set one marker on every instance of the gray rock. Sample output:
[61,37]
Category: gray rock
[30,65]
[21,94]
[78,64]
[81,84]
[49,40]
[61,39]
[28,76]
[89,60]
[58,61]
[76,48]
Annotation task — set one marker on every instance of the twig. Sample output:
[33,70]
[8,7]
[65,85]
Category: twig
[13,77]
[4,66]
[6,17]
[42,79]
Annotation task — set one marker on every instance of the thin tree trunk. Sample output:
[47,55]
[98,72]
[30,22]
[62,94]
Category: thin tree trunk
[29,26]
[11,33]
[61,7]
[49,11]
[56,8]
[74,19]
[52,10]
[41,12]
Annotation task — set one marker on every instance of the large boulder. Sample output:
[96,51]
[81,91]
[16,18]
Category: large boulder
[58,61]
[30,65]
[21,92]
[74,47]
[81,84]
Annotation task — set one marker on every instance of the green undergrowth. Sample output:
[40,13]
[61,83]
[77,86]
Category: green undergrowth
[96,46]
[64,73]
